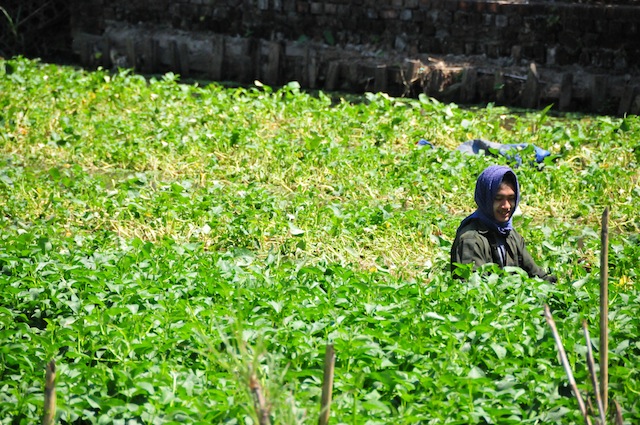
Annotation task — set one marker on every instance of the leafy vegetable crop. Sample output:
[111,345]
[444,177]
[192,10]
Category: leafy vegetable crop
[161,241]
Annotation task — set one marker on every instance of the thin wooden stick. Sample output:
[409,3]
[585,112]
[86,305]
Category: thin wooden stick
[259,401]
[49,394]
[566,365]
[590,409]
[592,371]
[604,310]
[619,420]
[327,385]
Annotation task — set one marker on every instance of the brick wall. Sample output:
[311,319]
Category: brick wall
[577,56]
[602,36]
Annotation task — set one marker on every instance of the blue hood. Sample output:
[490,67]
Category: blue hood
[487,186]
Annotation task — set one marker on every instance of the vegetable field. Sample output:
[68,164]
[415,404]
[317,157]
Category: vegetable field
[163,241]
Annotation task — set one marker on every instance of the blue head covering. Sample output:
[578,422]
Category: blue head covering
[487,186]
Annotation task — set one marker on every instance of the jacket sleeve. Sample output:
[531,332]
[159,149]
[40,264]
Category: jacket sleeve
[471,250]
[530,266]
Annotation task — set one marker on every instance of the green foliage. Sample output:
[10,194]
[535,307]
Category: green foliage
[162,241]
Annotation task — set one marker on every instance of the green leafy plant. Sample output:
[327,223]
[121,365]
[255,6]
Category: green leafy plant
[162,240]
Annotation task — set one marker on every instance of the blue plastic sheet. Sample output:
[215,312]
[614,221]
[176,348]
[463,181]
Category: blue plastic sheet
[424,142]
[510,151]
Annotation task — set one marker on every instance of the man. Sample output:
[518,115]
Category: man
[487,235]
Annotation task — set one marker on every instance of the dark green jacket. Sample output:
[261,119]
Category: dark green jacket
[475,244]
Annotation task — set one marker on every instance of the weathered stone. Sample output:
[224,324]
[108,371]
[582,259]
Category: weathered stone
[551,55]
[151,54]
[598,92]
[330,82]
[469,48]
[272,72]
[501,21]
[498,84]
[106,53]
[380,79]
[485,87]
[626,100]
[531,92]
[492,7]
[566,91]
[635,106]
[451,92]
[132,58]
[302,7]
[317,8]
[492,50]
[216,58]
[435,82]
[311,65]
[183,53]
[516,53]
[460,17]
[468,85]
[389,14]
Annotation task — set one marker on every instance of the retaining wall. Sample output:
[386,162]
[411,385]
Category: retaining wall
[577,56]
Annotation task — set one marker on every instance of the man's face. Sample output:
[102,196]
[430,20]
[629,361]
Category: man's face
[504,203]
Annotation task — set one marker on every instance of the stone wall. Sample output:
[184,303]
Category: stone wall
[578,55]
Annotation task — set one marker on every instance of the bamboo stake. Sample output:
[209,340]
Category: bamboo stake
[49,413]
[590,409]
[618,416]
[566,365]
[592,371]
[327,385]
[604,310]
[259,401]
